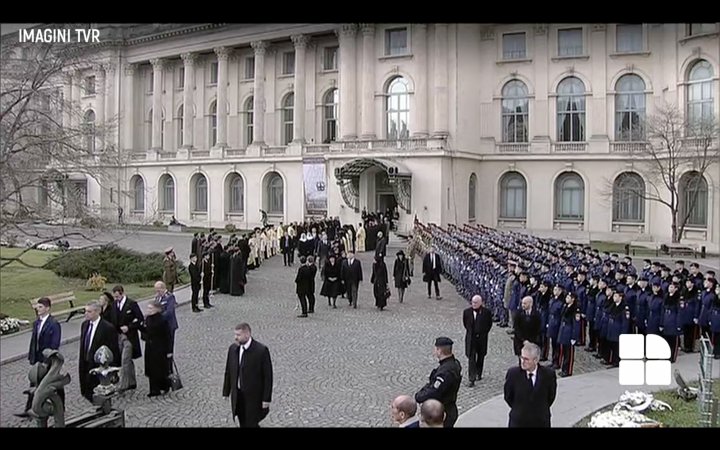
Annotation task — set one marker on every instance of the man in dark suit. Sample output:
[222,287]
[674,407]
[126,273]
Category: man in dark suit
[46,334]
[94,333]
[381,248]
[248,378]
[527,325]
[287,248]
[477,321]
[351,274]
[129,319]
[304,284]
[432,268]
[195,279]
[207,280]
[402,412]
[530,390]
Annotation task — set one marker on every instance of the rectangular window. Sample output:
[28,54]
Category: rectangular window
[514,46]
[181,78]
[250,68]
[330,58]
[151,81]
[701,28]
[90,85]
[288,67]
[213,73]
[570,42]
[396,41]
[629,38]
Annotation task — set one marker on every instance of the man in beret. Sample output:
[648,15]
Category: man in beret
[170,277]
[444,381]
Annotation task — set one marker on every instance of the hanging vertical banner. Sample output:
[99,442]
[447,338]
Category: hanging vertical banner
[314,174]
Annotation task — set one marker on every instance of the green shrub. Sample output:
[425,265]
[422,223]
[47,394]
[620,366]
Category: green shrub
[158,224]
[117,264]
[96,282]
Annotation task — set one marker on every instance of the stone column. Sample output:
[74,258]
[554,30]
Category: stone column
[301,42]
[420,97]
[222,56]
[76,110]
[157,64]
[128,107]
[348,105]
[109,90]
[67,100]
[259,93]
[441,81]
[367,101]
[100,103]
[188,103]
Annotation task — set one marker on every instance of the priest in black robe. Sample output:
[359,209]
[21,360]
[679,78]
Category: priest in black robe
[238,270]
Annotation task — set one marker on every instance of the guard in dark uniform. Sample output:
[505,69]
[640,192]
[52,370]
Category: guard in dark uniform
[444,381]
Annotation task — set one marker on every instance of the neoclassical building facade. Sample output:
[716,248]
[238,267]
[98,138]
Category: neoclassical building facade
[524,126]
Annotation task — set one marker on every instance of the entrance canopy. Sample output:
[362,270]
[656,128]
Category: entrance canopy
[348,178]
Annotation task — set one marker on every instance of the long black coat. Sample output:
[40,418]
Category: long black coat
[223,271]
[131,316]
[527,328]
[237,275]
[430,274]
[476,330]
[332,284]
[379,279]
[104,335]
[156,334]
[256,379]
[530,407]
[195,277]
[351,274]
[401,273]
[305,280]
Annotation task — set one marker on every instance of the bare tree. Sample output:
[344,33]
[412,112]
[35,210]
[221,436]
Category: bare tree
[674,161]
[50,146]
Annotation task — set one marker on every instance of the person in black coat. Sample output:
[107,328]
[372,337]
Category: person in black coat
[223,262]
[248,378]
[530,390]
[94,333]
[238,274]
[287,248]
[351,274]
[207,280]
[194,243]
[128,321]
[432,268]
[195,281]
[477,321]
[401,274]
[303,284]
[158,355]
[381,248]
[527,325]
[46,334]
[444,381]
[311,292]
[379,280]
[331,286]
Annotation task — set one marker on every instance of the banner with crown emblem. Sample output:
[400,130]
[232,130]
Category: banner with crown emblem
[315,178]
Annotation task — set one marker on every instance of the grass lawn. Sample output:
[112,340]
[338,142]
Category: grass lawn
[683,415]
[18,284]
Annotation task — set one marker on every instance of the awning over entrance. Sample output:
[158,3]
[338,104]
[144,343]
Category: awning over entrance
[399,176]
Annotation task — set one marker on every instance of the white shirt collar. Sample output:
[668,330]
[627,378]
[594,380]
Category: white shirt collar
[122,301]
[534,374]
[246,345]
[96,321]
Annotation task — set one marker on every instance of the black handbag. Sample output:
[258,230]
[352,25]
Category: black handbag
[174,378]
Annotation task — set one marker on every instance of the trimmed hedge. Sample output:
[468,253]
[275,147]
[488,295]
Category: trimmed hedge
[119,265]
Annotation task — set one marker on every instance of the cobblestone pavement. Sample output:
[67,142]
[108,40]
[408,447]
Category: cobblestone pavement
[337,368]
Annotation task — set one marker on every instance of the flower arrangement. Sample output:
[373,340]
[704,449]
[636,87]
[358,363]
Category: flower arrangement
[10,325]
[96,282]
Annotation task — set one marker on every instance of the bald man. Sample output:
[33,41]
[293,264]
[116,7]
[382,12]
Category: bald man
[402,412]
[477,321]
[432,414]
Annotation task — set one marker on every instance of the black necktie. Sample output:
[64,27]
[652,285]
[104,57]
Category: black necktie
[240,356]
[530,381]
[88,337]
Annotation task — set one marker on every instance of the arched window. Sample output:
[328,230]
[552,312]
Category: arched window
[287,118]
[629,198]
[700,93]
[138,193]
[397,109]
[630,109]
[571,110]
[569,197]
[330,110]
[472,192]
[515,111]
[213,124]
[180,125]
[249,121]
[236,188]
[693,199]
[274,194]
[513,194]
[89,131]
[167,194]
[200,193]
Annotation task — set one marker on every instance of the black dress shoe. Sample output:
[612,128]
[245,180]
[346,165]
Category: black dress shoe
[302,315]
[154,394]
[564,375]
[197,310]
[208,306]
[471,384]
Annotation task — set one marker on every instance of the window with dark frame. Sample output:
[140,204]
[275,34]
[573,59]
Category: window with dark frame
[396,41]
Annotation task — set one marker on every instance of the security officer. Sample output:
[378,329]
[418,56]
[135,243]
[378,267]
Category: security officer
[444,381]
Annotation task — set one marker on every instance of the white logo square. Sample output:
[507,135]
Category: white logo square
[632,372]
[658,373]
[632,346]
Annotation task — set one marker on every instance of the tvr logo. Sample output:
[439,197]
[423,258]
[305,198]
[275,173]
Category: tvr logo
[644,360]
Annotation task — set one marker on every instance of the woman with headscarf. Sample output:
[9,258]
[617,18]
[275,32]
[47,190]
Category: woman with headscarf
[379,280]
[303,245]
[401,274]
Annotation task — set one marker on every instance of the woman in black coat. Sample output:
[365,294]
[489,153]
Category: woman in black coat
[379,279]
[109,311]
[401,274]
[156,334]
[332,286]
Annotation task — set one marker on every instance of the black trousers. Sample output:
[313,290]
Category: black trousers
[555,353]
[303,303]
[716,344]
[592,336]
[567,357]
[613,352]
[244,421]
[545,348]
[451,415]
[674,344]
[194,297]
[158,384]
[475,365]
[689,333]
[206,295]
[437,288]
[311,302]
